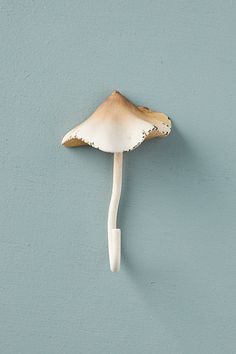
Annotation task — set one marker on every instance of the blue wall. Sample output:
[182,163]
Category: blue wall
[176,290]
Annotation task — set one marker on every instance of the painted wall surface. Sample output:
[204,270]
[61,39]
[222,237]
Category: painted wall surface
[176,290]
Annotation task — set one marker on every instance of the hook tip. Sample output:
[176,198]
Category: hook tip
[114,250]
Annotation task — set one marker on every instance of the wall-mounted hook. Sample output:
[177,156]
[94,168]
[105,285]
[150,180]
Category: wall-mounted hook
[117,126]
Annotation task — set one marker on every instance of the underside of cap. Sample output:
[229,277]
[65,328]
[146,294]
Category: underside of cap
[118,125]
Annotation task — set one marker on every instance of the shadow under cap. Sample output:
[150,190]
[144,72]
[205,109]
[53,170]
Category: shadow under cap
[118,125]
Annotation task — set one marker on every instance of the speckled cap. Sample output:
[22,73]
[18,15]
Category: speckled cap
[118,125]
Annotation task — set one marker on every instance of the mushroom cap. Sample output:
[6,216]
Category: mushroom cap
[118,125]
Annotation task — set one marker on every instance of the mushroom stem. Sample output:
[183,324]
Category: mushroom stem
[114,234]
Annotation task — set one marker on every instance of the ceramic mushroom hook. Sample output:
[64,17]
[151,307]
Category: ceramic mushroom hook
[117,126]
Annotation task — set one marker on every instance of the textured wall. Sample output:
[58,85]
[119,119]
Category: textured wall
[176,290]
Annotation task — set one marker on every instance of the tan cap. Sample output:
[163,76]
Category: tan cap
[118,125]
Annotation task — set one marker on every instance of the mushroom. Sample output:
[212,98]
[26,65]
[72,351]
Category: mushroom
[117,126]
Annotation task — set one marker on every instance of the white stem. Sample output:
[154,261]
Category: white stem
[114,233]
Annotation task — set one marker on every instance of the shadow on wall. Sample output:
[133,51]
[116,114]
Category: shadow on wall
[167,160]
[169,165]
